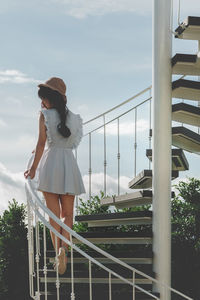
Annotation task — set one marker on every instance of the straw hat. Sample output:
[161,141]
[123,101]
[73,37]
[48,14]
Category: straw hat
[56,84]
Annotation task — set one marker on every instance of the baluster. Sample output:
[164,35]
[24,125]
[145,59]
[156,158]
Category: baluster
[110,291]
[72,269]
[105,163]
[118,157]
[37,257]
[90,170]
[150,106]
[134,285]
[45,256]
[135,144]
[76,196]
[90,279]
[57,274]
[30,248]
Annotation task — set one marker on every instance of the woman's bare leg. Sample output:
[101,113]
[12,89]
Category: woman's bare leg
[67,210]
[52,202]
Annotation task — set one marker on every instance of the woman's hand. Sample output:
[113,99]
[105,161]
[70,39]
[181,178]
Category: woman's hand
[30,172]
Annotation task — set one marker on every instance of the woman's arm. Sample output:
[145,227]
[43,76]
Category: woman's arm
[39,148]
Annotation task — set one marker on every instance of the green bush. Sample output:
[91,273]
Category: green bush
[14,280]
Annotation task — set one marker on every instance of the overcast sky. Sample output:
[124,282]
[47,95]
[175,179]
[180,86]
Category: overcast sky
[102,50]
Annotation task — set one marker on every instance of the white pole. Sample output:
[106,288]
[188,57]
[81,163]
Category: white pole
[162,144]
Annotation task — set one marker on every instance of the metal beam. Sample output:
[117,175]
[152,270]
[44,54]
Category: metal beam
[161,76]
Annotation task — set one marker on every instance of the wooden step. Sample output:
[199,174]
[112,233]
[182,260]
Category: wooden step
[82,280]
[113,237]
[189,29]
[144,179]
[104,294]
[99,294]
[179,161]
[186,64]
[137,198]
[115,219]
[186,89]
[133,256]
[186,113]
[186,139]
[98,272]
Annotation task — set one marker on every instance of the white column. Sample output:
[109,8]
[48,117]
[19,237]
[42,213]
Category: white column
[161,76]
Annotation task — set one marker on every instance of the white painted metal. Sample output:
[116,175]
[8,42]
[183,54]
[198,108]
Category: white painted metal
[90,166]
[72,271]
[110,291]
[33,199]
[118,158]
[45,258]
[90,278]
[161,75]
[135,144]
[133,286]
[57,274]
[104,148]
[119,105]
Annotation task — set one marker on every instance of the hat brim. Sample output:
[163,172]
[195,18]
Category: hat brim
[49,86]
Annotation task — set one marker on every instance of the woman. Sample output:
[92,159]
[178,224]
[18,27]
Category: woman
[59,177]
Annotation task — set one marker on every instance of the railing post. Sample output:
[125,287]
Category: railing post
[105,162]
[118,157]
[162,144]
[135,144]
[90,168]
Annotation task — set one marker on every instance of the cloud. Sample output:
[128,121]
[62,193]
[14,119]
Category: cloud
[11,186]
[84,8]
[2,123]
[15,76]
[97,182]
[125,128]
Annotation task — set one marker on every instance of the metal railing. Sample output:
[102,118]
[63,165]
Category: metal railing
[37,210]
[117,119]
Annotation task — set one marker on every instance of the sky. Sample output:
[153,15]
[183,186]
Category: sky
[103,52]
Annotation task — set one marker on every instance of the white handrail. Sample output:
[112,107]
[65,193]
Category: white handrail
[117,106]
[122,114]
[85,241]
[30,189]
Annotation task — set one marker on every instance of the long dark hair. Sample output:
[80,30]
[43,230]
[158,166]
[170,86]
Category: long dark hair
[58,102]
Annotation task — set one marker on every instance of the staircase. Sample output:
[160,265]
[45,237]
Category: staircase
[116,274]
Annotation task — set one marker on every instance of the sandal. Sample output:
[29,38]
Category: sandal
[61,257]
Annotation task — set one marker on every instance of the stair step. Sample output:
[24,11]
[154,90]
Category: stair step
[105,260]
[179,161]
[189,29]
[186,89]
[133,256]
[186,113]
[117,294]
[95,280]
[186,139]
[186,64]
[144,179]
[142,197]
[98,272]
[115,219]
[115,237]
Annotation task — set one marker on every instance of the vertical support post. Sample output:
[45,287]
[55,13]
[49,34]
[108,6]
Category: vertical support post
[198,80]
[105,162]
[162,144]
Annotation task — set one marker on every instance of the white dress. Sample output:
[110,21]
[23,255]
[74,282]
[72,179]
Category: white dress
[58,171]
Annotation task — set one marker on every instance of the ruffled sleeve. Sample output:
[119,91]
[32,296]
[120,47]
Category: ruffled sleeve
[78,133]
[46,122]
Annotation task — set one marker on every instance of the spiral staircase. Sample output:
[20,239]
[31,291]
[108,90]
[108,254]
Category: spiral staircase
[98,274]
